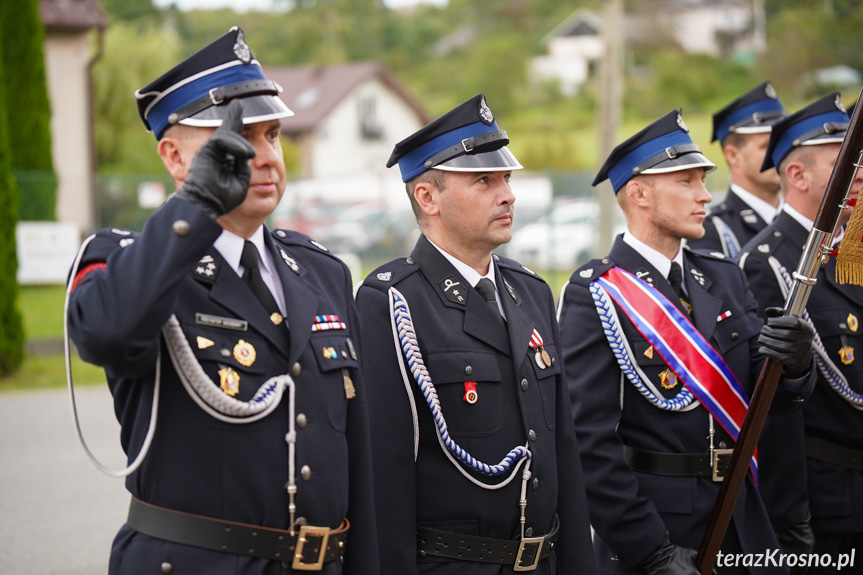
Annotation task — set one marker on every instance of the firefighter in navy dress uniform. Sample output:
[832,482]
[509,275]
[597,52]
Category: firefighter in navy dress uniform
[659,343]
[743,130]
[803,150]
[260,455]
[476,463]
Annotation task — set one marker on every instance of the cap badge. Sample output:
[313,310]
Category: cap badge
[770,91]
[839,105]
[681,124]
[485,112]
[241,49]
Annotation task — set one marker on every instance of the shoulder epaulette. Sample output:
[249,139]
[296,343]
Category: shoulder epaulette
[591,270]
[391,273]
[511,264]
[105,242]
[296,239]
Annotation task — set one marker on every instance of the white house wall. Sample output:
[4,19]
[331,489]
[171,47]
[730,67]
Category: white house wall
[66,66]
[339,146]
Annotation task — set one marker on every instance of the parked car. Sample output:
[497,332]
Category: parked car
[562,239]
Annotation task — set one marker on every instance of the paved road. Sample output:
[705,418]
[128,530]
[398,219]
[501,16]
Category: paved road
[58,513]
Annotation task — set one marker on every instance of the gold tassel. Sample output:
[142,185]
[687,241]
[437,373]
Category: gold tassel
[849,262]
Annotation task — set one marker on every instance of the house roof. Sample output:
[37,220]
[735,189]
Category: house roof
[313,91]
[580,22]
[72,14]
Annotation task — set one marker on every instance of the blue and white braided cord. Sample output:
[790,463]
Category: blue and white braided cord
[683,401]
[410,348]
[828,369]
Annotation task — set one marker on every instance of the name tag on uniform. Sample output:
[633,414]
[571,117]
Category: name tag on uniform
[223,322]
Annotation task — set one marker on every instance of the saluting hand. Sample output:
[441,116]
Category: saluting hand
[219,176]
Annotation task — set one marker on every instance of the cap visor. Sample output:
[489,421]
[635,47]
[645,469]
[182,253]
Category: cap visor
[684,162]
[835,138]
[260,108]
[494,161]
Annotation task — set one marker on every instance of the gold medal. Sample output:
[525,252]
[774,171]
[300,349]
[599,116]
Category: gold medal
[546,358]
[230,381]
[538,359]
[276,318]
[668,379]
[204,343]
[853,324]
[846,354]
[244,353]
[350,390]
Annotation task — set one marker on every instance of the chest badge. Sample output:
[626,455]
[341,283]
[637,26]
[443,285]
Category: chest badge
[541,356]
[452,290]
[230,381]
[244,353]
[668,379]
[204,343]
[853,324]
[470,394]
[846,354]
[648,353]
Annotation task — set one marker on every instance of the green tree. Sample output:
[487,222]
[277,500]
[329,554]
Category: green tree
[11,327]
[135,54]
[22,36]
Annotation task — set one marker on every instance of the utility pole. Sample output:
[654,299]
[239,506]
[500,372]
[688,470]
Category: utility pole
[610,111]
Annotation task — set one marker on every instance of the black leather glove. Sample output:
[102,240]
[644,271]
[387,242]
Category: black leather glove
[787,340]
[218,178]
[796,540]
[670,559]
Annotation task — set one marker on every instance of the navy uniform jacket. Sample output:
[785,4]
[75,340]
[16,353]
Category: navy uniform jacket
[743,221]
[460,341]
[196,463]
[630,510]
[835,493]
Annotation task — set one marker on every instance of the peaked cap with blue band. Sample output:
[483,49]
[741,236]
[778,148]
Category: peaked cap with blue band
[754,112]
[196,91]
[465,139]
[663,146]
[821,122]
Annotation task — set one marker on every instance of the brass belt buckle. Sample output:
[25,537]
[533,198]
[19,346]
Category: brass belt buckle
[538,541]
[721,458]
[307,531]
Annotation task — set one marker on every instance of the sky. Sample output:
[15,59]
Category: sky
[243,5]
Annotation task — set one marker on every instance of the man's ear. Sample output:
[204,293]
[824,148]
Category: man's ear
[637,192]
[173,157]
[795,174]
[732,154]
[426,196]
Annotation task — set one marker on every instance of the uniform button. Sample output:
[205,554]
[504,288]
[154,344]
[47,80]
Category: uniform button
[302,421]
[524,385]
[722,445]
[734,336]
[225,352]
[281,234]
[528,532]
[181,228]
[167,567]
[777,234]
[532,435]
[468,370]
[552,360]
[421,553]
[306,472]
[409,261]
[536,483]
[605,260]
[296,369]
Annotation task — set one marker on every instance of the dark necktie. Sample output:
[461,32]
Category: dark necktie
[252,277]
[486,290]
[675,278]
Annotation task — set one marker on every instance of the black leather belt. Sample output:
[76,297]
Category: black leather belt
[523,555]
[834,453]
[306,550]
[679,464]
